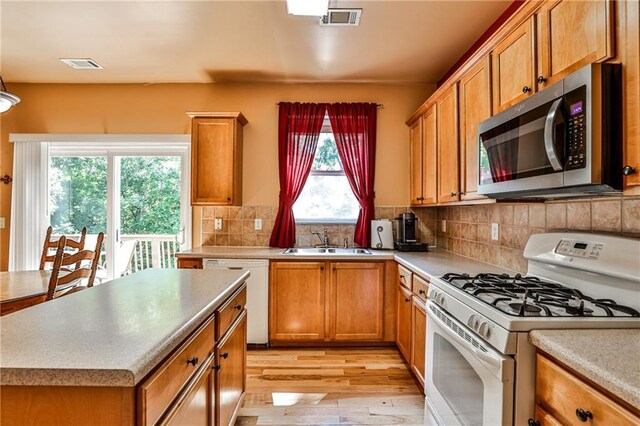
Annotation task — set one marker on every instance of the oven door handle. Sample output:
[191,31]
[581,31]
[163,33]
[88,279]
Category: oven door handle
[492,362]
[550,135]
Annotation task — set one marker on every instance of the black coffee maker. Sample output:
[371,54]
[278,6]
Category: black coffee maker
[406,237]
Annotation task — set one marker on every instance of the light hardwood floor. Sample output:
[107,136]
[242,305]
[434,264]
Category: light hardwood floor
[330,386]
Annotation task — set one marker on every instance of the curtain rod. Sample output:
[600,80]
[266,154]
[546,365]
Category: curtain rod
[378,105]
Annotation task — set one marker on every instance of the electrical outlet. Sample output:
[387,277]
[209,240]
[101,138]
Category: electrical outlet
[444,226]
[258,224]
[494,231]
[218,224]
[1,222]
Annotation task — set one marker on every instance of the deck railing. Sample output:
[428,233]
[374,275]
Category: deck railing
[153,251]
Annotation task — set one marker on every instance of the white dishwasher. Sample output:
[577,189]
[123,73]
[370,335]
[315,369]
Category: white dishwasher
[257,294]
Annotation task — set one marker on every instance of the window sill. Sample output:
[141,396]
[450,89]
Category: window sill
[326,221]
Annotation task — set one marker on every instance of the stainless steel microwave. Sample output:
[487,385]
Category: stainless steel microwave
[565,140]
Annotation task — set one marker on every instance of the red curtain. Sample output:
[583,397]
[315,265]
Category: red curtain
[354,129]
[299,127]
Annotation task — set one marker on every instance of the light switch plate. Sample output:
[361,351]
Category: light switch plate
[494,231]
[218,224]
[258,224]
[444,226]
[1,222]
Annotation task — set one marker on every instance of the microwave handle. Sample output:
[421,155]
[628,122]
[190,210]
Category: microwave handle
[550,136]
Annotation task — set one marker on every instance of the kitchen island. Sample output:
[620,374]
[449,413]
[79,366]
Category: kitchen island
[136,350]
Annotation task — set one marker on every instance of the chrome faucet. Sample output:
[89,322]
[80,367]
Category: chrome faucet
[324,237]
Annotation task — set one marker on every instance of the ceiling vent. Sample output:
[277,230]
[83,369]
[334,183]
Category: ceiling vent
[82,64]
[342,17]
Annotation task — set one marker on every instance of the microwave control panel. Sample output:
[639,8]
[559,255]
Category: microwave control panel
[576,130]
[583,249]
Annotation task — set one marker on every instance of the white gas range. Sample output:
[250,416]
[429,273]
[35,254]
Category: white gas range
[480,367]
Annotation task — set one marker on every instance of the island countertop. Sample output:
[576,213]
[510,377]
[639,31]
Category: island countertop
[113,334]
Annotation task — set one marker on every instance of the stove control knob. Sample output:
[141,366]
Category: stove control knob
[472,321]
[484,330]
[440,299]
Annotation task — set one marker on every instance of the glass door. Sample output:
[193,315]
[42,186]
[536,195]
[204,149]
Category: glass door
[136,194]
[151,225]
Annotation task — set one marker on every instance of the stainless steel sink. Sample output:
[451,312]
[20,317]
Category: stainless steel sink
[321,251]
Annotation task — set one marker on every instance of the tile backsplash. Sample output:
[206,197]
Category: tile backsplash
[238,226]
[468,228]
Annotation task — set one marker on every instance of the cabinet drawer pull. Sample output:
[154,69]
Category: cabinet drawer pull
[193,361]
[407,300]
[582,415]
[628,170]
[228,198]
[238,307]
[453,194]
[224,355]
[526,89]
[541,79]
[216,367]
[422,292]
[532,422]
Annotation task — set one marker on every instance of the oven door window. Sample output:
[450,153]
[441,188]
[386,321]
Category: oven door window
[457,381]
[516,149]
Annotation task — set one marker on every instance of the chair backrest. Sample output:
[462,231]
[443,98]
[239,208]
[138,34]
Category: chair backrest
[71,278]
[51,244]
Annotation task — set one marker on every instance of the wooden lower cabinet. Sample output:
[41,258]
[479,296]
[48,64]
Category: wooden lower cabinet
[347,304]
[230,377]
[195,408]
[356,297]
[418,338]
[562,397]
[297,301]
[403,324]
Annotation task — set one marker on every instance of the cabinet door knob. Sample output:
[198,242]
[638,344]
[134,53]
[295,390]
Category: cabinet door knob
[526,89]
[532,422]
[628,170]
[422,292]
[541,79]
[228,198]
[193,361]
[238,307]
[453,194]
[216,367]
[224,355]
[582,415]
[407,300]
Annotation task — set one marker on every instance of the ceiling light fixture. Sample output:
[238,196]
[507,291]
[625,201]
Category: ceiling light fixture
[308,7]
[7,100]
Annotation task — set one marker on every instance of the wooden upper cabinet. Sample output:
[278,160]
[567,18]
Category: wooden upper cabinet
[297,301]
[430,156]
[356,297]
[216,158]
[571,35]
[513,66]
[447,128]
[415,167]
[475,107]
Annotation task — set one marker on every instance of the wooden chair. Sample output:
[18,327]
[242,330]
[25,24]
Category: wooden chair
[49,244]
[71,281]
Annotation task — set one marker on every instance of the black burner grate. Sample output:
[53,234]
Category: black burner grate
[530,296]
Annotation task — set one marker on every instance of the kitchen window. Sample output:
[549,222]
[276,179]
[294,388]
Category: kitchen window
[326,196]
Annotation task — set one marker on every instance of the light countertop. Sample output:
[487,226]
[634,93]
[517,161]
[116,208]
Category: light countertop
[434,263]
[112,334]
[609,358]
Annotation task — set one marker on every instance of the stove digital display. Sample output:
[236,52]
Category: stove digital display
[576,108]
[580,246]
